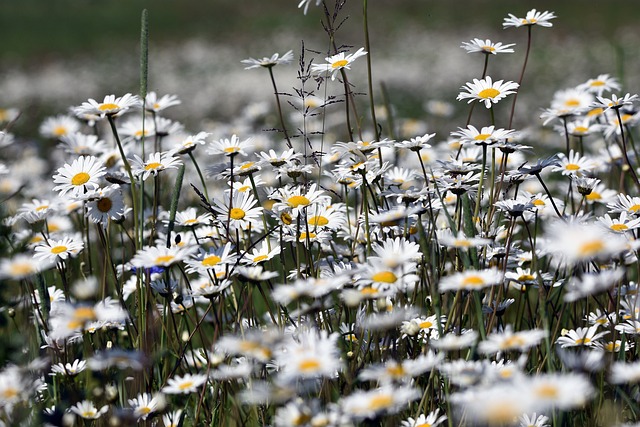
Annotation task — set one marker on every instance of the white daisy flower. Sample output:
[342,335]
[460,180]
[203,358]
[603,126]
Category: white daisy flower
[487,91]
[486,47]
[265,62]
[80,176]
[155,104]
[59,126]
[56,250]
[533,17]
[156,163]
[87,410]
[185,384]
[110,106]
[337,62]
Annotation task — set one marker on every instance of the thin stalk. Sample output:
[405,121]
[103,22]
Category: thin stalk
[280,116]
[524,67]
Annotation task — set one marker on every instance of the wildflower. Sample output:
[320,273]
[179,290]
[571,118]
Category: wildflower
[229,147]
[614,102]
[417,143]
[59,126]
[625,373]
[184,385]
[306,3]
[265,62]
[145,404]
[277,160]
[190,218]
[56,250]
[452,341]
[495,405]
[487,135]
[534,420]
[470,280]
[310,354]
[391,370]
[160,256]
[620,225]
[572,101]
[460,241]
[337,62]
[211,259]
[262,254]
[155,104]
[297,199]
[580,337]
[172,419]
[243,212]
[486,47]
[487,91]
[87,410]
[563,392]
[70,369]
[105,204]
[421,326]
[509,340]
[533,17]
[22,266]
[155,163]
[190,142]
[80,176]
[110,106]
[430,420]
[387,399]
[574,164]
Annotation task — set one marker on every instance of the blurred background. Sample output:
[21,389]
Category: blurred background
[58,53]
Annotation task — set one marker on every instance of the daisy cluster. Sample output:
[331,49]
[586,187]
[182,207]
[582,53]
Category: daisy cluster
[331,271]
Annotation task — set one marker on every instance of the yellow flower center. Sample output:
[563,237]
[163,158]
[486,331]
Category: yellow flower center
[164,259]
[381,401]
[539,202]
[482,137]
[309,365]
[237,213]
[526,278]
[304,236]
[460,243]
[619,227]
[59,131]
[595,112]
[20,269]
[547,391]
[190,221]
[594,196]
[58,249]
[144,410]
[9,393]
[152,166]
[211,260]
[318,221]
[340,63]
[424,425]
[88,414]
[368,291]
[259,258]
[84,314]
[513,341]
[571,103]
[395,370]
[634,208]
[581,129]
[231,150]
[488,93]
[186,385]
[104,204]
[247,165]
[107,107]
[591,248]
[80,178]
[41,208]
[488,48]
[473,281]
[244,188]
[572,167]
[582,341]
[425,325]
[295,201]
[384,277]
[596,83]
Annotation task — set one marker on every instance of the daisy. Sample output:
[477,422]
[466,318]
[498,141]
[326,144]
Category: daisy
[277,160]
[136,129]
[581,337]
[561,391]
[625,203]
[625,373]
[508,340]
[417,143]
[106,204]
[212,259]
[534,420]
[487,135]
[243,212]
[620,225]
[422,326]
[460,241]
[296,199]
[470,280]
[36,210]
[56,250]
[82,145]
[385,400]
[229,147]
[572,101]
[310,354]
[70,369]
[486,47]
[80,176]
[430,420]
[533,17]
[452,341]
[190,142]
[602,83]
[396,252]
[391,371]
[614,102]
[155,163]
[160,256]
[22,266]
[185,384]
[265,62]
[145,404]
[326,217]
[155,104]
[87,410]
[487,91]
[190,218]
[59,126]
[306,3]
[262,253]
[172,419]
[110,106]
[337,62]
[574,164]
